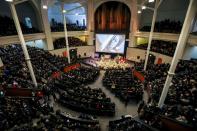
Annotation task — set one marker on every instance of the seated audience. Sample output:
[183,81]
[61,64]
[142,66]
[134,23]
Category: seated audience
[163,47]
[180,103]
[59,27]
[72,41]
[165,26]
[72,83]
[122,84]
[127,123]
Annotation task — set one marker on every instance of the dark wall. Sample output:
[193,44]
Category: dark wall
[169,9]
[23,10]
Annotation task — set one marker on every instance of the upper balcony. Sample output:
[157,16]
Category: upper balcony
[37,36]
[167,37]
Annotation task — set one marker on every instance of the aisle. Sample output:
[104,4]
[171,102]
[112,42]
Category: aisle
[121,109]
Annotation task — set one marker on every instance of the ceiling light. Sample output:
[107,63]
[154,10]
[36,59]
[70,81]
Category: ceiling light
[143,7]
[64,11]
[44,7]
[9,0]
[139,12]
[150,1]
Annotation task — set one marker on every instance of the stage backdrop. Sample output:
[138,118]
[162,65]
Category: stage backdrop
[112,17]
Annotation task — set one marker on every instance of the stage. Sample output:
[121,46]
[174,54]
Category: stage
[108,63]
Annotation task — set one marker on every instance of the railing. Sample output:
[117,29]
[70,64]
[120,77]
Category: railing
[37,36]
[4,40]
[167,37]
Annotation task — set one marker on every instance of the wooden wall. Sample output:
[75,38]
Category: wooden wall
[112,17]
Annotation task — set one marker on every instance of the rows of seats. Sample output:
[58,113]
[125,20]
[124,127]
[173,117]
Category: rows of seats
[180,103]
[81,98]
[165,26]
[122,84]
[163,47]
[128,123]
[44,64]
[72,41]
[37,114]
[59,27]
[8,28]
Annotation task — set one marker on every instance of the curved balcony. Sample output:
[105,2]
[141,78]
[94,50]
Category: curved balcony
[4,40]
[167,37]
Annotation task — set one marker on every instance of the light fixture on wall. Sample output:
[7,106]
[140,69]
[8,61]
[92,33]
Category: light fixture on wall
[64,11]
[44,7]
[143,7]
[139,11]
[9,0]
[150,1]
[76,14]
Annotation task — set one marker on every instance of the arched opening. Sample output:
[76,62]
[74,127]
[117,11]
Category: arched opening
[75,16]
[112,16]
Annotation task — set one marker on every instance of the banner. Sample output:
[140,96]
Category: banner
[71,67]
[65,54]
[139,75]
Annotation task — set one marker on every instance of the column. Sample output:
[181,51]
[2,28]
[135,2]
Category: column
[192,8]
[151,34]
[133,23]
[22,41]
[66,33]
[90,21]
[47,28]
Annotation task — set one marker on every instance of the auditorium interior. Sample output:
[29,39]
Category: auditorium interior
[98,65]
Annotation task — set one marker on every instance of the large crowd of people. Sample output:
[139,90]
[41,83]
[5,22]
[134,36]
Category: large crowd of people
[122,84]
[180,103]
[71,90]
[58,27]
[165,26]
[32,114]
[69,85]
[128,123]
[72,41]
[163,47]
[8,28]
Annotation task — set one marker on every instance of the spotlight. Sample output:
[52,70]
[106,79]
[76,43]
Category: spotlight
[9,0]
[150,1]
[44,7]
[143,7]
[76,14]
[139,12]
[64,11]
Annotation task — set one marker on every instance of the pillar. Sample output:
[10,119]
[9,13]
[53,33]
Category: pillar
[151,34]
[90,22]
[23,44]
[66,33]
[133,23]
[47,27]
[192,8]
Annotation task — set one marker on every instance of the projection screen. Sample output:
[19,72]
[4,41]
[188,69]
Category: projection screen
[110,43]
